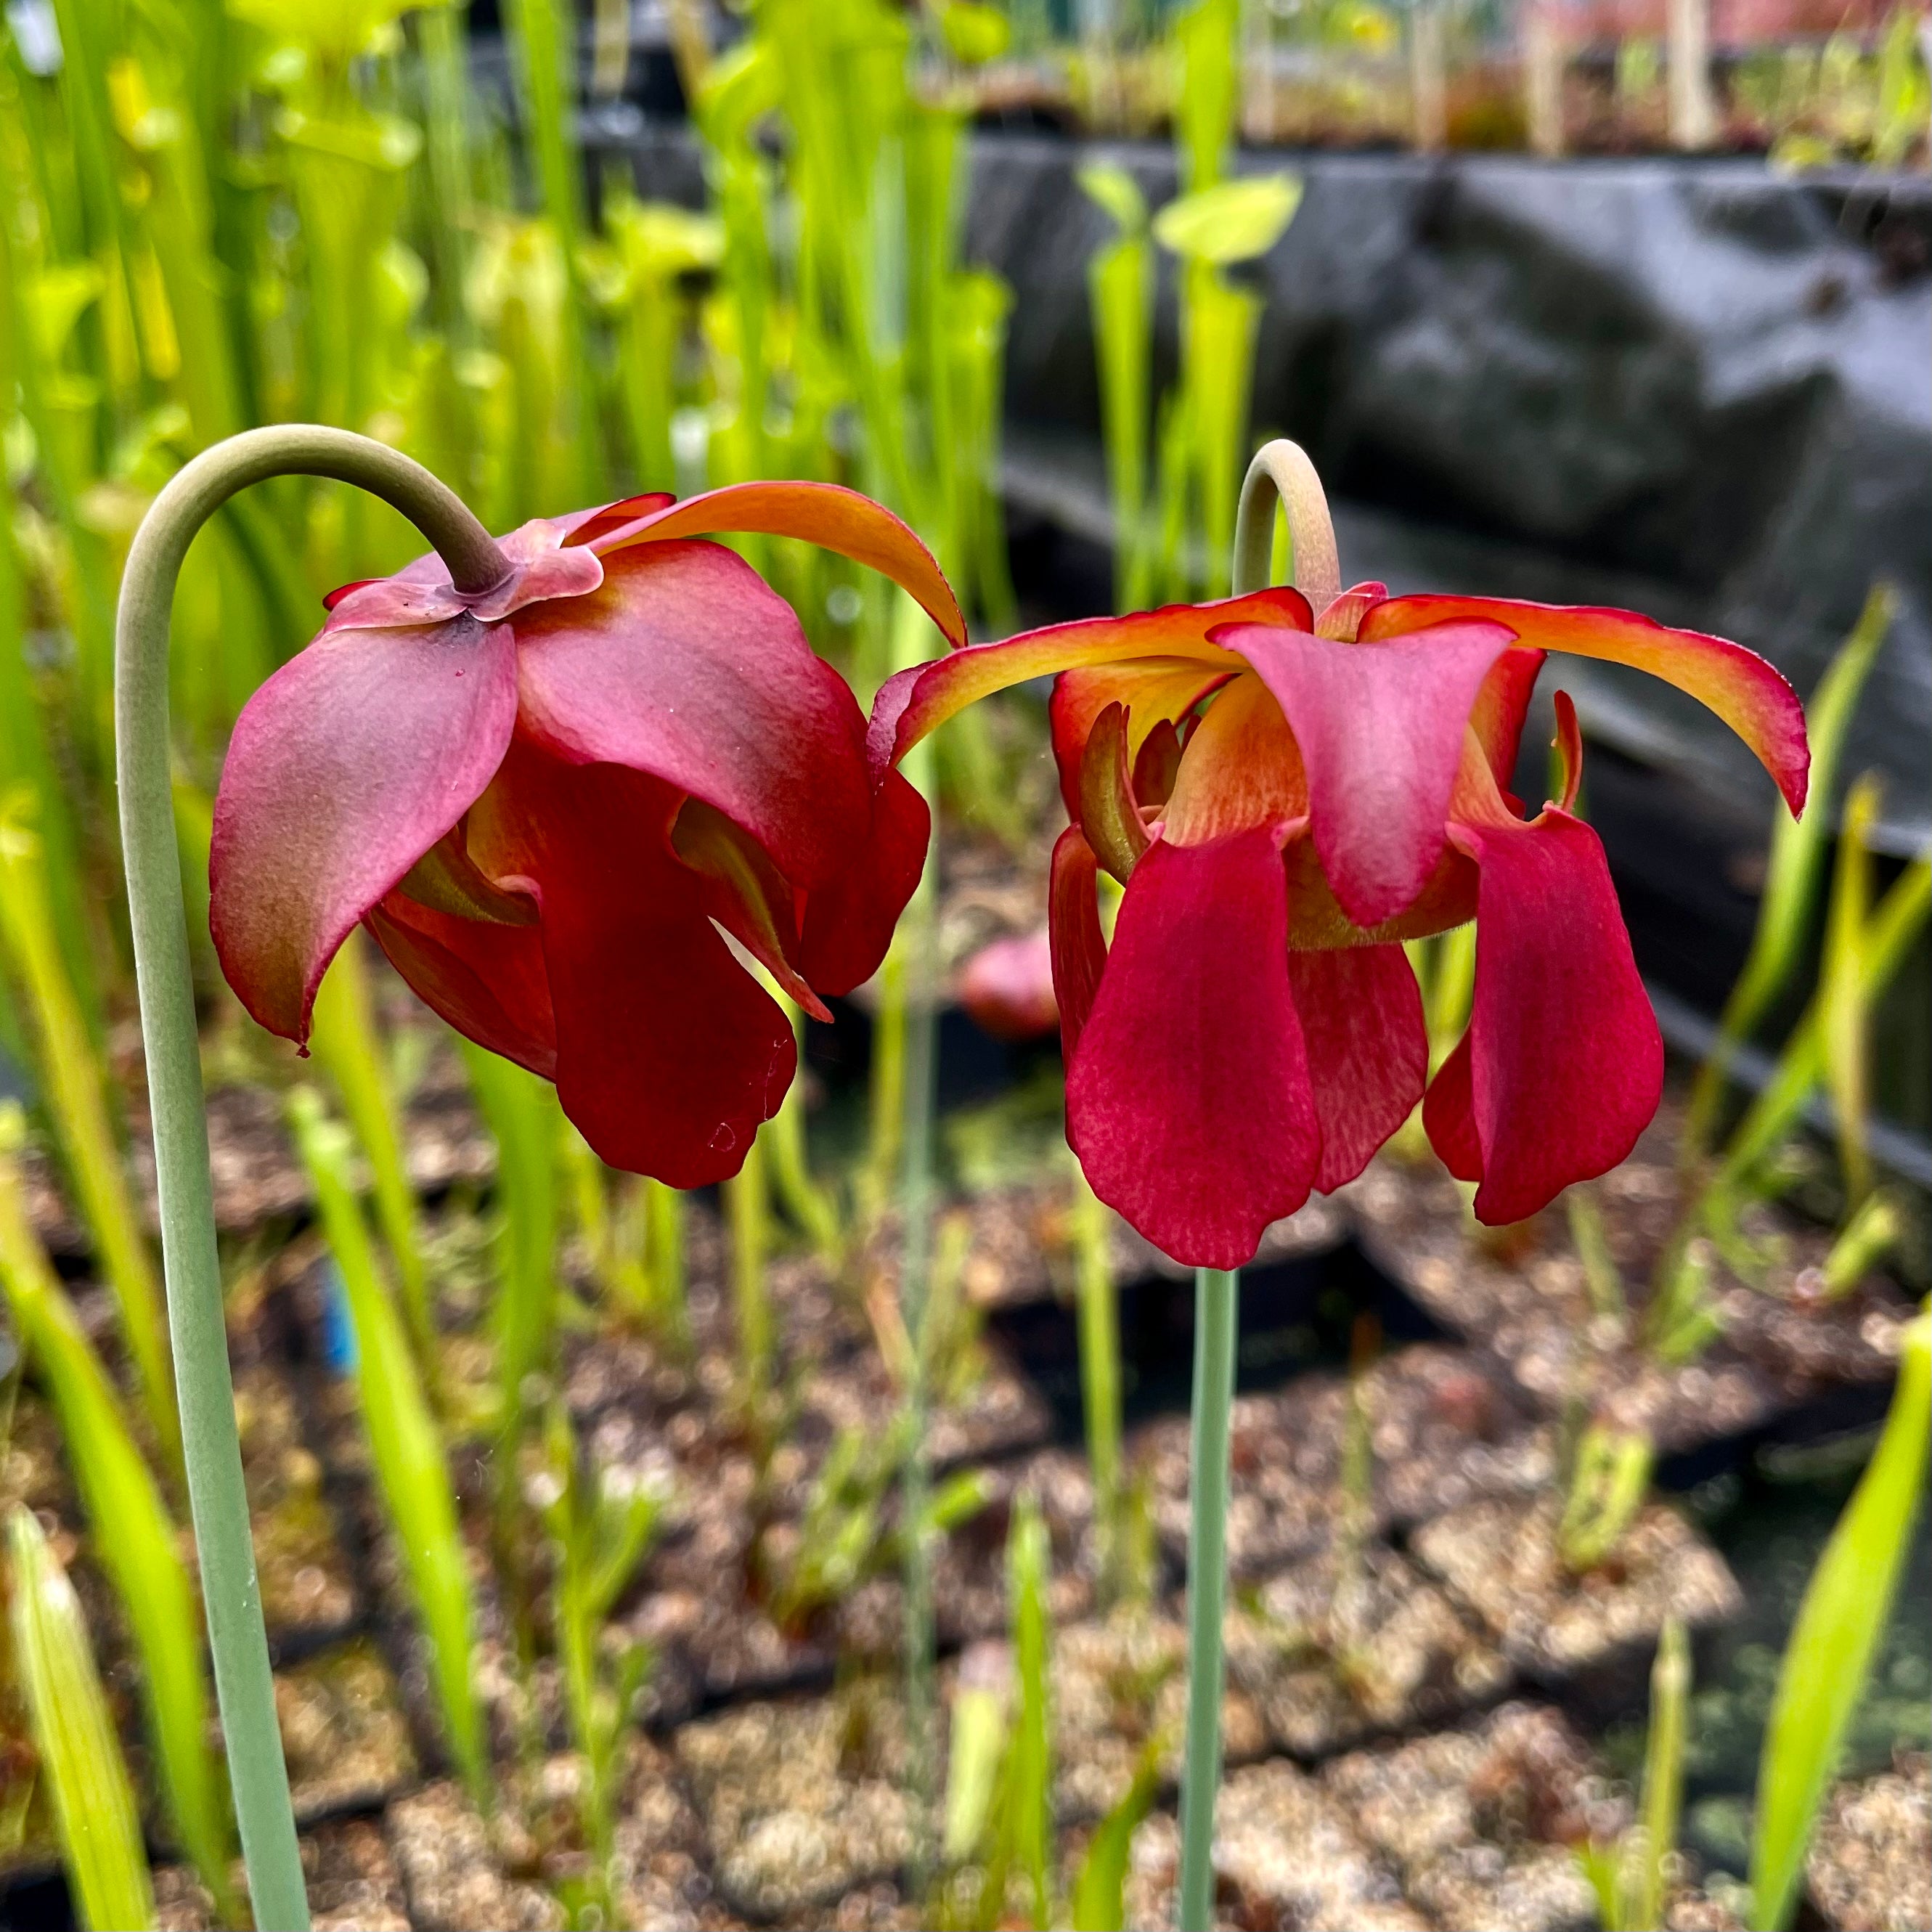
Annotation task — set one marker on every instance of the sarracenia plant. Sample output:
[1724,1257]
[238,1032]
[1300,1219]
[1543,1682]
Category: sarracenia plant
[1794,872]
[1213,1084]
[135,1539]
[473,804]
[80,1760]
[1840,1622]
[75,1088]
[600,1531]
[405,1445]
[1630,1874]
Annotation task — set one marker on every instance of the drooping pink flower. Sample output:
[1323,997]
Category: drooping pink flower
[539,800]
[1286,797]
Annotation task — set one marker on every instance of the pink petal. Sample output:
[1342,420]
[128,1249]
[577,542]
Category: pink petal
[1563,1064]
[1188,1100]
[686,665]
[1341,617]
[1750,695]
[420,592]
[1448,1116]
[1368,1049]
[345,767]
[1380,733]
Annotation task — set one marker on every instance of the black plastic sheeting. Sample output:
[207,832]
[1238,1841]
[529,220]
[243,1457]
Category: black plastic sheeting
[1691,388]
[1695,387]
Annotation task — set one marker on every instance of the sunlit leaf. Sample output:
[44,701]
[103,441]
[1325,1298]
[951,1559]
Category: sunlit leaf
[1099,1902]
[974,33]
[1117,192]
[80,1760]
[1847,1607]
[135,1541]
[1235,222]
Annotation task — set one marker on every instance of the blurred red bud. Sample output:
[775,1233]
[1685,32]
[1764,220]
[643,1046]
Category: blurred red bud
[1007,987]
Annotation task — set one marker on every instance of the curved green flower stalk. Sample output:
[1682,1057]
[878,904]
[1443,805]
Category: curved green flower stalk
[1280,473]
[238,1641]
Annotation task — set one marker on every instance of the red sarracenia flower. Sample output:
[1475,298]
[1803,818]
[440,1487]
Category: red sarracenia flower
[540,799]
[1286,797]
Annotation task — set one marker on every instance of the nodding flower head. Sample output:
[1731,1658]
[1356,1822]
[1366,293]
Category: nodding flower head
[1287,794]
[545,799]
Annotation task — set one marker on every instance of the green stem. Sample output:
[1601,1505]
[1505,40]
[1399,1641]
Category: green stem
[244,1685]
[917,945]
[1216,1297]
[1280,471]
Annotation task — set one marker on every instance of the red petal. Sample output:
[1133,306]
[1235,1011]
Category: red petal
[1341,617]
[686,665]
[1079,948]
[591,526]
[1153,690]
[1380,733]
[1750,695]
[1501,706]
[668,1053]
[918,701]
[1447,1119]
[488,981]
[345,767]
[1368,1049]
[848,924]
[825,514]
[1188,1100]
[1564,1064]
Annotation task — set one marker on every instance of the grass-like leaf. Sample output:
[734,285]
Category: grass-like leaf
[135,1540]
[1100,1903]
[403,1443]
[74,1085]
[522,1114]
[1029,1793]
[1889,935]
[1847,1607]
[347,1045]
[1845,1004]
[1796,867]
[80,1756]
